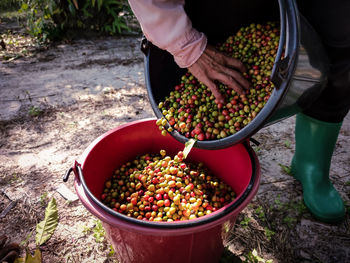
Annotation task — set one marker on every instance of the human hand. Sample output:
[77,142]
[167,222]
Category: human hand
[213,65]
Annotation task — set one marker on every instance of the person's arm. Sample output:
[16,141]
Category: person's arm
[166,24]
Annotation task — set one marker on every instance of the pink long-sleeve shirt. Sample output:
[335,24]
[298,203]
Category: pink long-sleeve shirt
[166,24]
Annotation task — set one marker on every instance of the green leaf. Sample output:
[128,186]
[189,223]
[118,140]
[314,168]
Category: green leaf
[108,28]
[269,233]
[35,259]
[125,27]
[188,146]
[71,8]
[29,258]
[245,221]
[19,260]
[116,24]
[99,4]
[99,232]
[24,6]
[25,242]
[286,169]
[111,251]
[287,143]
[45,228]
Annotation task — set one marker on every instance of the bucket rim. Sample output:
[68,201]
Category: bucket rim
[235,205]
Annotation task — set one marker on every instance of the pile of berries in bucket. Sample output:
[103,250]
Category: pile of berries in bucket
[191,108]
[159,188]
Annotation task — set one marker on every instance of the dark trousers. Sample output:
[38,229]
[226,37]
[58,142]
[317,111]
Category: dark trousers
[331,20]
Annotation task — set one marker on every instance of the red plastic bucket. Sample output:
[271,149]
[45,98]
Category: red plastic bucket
[197,240]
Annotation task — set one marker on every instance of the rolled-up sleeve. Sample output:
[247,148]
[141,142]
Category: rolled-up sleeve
[166,25]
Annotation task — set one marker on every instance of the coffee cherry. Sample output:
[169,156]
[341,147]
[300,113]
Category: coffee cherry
[159,188]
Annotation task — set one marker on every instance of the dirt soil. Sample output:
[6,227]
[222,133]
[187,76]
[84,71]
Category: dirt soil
[55,101]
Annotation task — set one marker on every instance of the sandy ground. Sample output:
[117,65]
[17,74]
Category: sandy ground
[55,102]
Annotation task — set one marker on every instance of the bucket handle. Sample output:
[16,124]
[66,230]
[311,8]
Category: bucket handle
[257,143]
[79,177]
[76,169]
[282,65]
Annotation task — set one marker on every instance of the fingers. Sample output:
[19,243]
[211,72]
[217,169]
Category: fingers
[234,76]
[230,82]
[215,66]
[225,60]
[224,69]
[234,63]
[200,71]
[214,89]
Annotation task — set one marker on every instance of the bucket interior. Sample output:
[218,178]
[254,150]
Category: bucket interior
[217,21]
[222,19]
[234,165]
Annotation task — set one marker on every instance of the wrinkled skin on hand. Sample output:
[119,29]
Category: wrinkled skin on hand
[8,251]
[213,66]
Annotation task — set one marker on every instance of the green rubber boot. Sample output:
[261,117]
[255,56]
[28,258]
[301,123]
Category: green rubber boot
[314,145]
